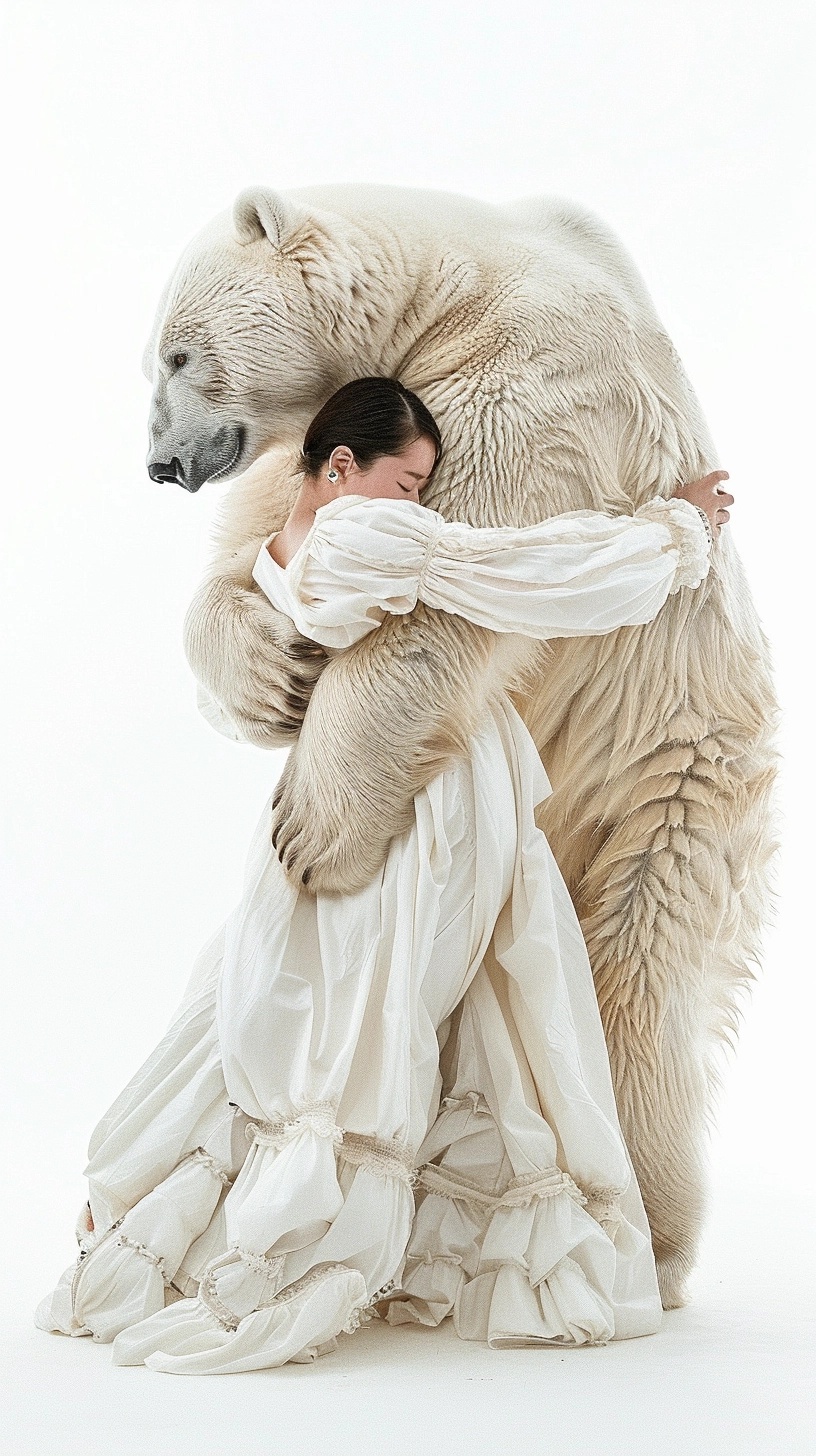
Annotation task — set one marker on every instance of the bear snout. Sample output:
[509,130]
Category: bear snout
[212,458]
[168,471]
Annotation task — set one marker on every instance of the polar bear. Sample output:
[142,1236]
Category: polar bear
[530,335]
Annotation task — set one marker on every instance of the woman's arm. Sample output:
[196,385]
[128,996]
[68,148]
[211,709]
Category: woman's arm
[340,800]
[581,573]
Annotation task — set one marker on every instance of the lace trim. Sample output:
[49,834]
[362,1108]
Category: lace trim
[208,1295]
[208,1161]
[89,1239]
[362,1313]
[452,1185]
[387,1157]
[314,1276]
[142,1250]
[690,537]
[260,1264]
[319,1116]
[601,1203]
[519,1192]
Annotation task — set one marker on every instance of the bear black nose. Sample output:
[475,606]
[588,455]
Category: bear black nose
[162,471]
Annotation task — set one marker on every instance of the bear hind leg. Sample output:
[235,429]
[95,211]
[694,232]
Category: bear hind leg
[672,907]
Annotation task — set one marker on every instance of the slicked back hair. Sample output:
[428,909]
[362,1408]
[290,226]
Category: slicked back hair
[374,416]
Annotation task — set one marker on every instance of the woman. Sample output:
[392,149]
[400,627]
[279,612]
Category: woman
[398,1099]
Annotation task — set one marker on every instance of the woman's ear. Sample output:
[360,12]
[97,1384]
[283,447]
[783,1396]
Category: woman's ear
[341,460]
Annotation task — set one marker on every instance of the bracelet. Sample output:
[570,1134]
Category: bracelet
[706,523]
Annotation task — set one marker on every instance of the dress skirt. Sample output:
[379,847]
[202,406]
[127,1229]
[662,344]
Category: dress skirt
[395,1103]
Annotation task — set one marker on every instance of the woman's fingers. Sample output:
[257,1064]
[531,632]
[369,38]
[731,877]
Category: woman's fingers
[712,480]
[723,497]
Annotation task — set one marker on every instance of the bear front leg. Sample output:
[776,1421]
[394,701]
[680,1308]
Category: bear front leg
[671,907]
[385,718]
[251,658]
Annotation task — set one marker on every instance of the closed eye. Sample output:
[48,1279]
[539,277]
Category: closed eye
[417,479]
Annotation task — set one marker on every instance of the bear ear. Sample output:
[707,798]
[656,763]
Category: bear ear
[259,212]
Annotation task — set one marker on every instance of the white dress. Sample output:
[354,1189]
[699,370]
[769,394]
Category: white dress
[398,1101]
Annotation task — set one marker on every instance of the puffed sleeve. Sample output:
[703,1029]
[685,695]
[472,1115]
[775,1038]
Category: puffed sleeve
[578,574]
[360,561]
[582,573]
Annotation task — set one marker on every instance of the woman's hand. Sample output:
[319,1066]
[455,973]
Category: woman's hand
[707,494]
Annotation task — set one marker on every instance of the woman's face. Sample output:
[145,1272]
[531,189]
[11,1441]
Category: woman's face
[397,477]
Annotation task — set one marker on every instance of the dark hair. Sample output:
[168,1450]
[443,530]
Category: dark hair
[373,416]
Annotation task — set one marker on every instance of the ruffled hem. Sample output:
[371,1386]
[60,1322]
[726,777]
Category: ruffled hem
[690,537]
[531,1266]
[271,1238]
[122,1273]
[164,1283]
[298,1324]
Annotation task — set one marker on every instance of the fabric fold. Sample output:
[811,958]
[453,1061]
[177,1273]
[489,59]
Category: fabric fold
[576,574]
[397,1101]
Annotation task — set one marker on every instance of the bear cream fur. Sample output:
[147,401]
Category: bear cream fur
[530,335]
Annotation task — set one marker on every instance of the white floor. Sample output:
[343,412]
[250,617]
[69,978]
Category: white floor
[728,1374]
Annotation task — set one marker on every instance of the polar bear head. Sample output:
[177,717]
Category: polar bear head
[525,329]
[243,348]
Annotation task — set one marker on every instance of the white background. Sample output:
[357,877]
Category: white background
[126,819]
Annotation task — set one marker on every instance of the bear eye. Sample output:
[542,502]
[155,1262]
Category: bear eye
[179,361]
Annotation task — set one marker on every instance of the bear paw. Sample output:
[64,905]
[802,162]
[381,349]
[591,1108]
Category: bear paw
[322,844]
[257,671]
